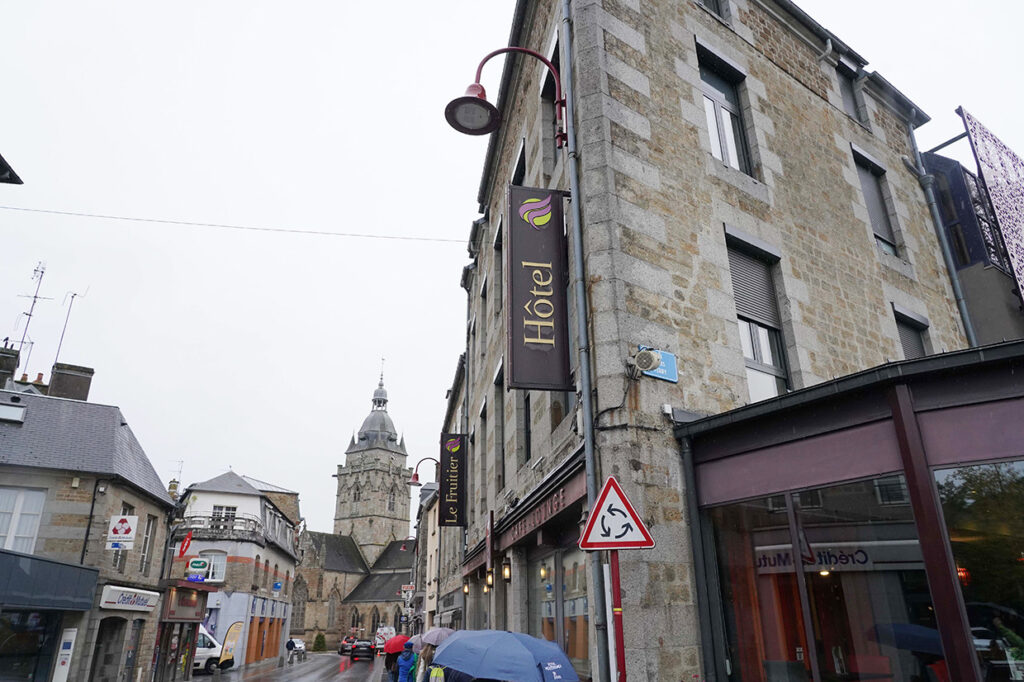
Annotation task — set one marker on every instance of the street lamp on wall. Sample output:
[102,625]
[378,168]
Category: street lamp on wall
[472,114]
[415,480]
[506,570]
[490,577]
[465,586]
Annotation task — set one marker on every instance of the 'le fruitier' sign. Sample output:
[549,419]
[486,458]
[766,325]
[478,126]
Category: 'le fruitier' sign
[538,324]
[452,488]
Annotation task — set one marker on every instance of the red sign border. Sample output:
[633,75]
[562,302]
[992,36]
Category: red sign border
[647,543]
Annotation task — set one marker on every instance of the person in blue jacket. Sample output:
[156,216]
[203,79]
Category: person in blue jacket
[405,663]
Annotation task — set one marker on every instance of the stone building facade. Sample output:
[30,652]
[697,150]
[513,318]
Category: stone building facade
[745,208]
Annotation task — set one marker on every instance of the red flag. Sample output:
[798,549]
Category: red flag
[184,545]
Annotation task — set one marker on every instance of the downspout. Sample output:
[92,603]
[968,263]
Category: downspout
[707,649]
[583,343]
[88,524]
[928,185]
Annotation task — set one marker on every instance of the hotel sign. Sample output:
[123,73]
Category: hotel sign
[538,324]
[452,489]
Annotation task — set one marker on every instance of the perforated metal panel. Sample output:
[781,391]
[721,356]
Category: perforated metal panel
[753,288]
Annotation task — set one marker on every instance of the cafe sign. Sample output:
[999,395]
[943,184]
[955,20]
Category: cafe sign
[538,324]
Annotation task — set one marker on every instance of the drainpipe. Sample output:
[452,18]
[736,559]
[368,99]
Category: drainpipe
[707,648]
[928,185]
[583,343]
[88,524]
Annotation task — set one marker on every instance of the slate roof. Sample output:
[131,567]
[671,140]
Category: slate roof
[265,487]
[394,557]
[339,552]
[380,587]
[78,436]
[228,482]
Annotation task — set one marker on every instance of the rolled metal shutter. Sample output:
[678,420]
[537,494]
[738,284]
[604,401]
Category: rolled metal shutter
[753,289]
[911,340]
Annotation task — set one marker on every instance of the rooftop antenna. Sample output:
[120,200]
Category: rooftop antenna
[382,369]
[66,318]
[37,275]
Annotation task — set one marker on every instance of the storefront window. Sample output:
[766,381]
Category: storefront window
[542,598]
[27,643]
[574,607]
[983,506]
[864,590]
[761,598]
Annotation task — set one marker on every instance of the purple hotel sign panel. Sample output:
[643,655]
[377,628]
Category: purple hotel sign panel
[538,324]
[1003,172]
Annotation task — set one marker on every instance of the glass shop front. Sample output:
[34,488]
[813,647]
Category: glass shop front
[875,534]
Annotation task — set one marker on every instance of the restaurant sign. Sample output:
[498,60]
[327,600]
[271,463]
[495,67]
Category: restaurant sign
[453,480]
[538,324]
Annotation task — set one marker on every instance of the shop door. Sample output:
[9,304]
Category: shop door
[106,659]
[133,650]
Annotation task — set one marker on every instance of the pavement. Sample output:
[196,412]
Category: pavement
[326,666]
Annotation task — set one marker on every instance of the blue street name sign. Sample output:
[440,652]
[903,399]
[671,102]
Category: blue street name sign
[667,370]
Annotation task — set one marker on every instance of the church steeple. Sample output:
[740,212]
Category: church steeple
[375,466]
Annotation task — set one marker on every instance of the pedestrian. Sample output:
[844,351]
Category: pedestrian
[389,665]
[423,662]
[405,663]
[290,646]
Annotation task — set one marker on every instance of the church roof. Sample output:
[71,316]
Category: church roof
[228,482]
[339,552]
[380,587]
[378,431]
[394,557]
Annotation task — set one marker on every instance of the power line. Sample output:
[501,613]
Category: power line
[250,228]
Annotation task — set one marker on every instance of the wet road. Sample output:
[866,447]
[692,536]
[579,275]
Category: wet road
[329,666]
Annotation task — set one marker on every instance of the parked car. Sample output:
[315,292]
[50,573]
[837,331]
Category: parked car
[362,648]
[345,646]
[208,651]
[297,644]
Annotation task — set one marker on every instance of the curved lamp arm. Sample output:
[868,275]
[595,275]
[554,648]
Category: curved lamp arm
[559,102]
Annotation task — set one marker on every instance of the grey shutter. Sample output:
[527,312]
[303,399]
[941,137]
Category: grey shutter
[752,286]
[871,186]
[911,340]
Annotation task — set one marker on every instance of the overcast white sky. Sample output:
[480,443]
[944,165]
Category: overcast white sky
[261,351]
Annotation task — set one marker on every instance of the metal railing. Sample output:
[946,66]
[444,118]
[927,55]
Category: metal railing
[246,523]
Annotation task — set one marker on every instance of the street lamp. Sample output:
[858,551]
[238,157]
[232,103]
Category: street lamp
[472,114]
[415,480]
[506,570]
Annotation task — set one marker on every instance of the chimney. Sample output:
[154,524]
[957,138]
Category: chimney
[8,364]
[39,378]
[172,489]
[70,381]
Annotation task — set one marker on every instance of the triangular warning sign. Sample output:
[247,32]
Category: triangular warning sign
[614,523]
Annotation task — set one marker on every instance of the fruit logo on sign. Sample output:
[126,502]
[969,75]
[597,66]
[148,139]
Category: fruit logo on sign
[121,527]
[537,212]
[453,444]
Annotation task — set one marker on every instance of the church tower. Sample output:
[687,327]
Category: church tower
[373,493]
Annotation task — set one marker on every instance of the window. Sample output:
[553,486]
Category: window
[892,490]
[120,556]
[499,270]
[548,110]
[223,518]
[20,511]
[525,419]
[519,174]
[266,572]
[806,499]
[146,560]
[499,429]
[713,6]
[299,597]
[847,77]
[483,456]
[391,500]
[332,610]
[12,413]
[256,572]
[911,339]
[760,335]
[871,178]
[483,315]
[722,108]
[218,565]
[355,493]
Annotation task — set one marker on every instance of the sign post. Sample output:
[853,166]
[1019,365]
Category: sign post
[614,524]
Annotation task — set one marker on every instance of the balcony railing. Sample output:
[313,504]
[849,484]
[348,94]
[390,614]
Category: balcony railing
[243,523]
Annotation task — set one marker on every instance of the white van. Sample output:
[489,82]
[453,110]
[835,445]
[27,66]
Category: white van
[384,633]
[208,652]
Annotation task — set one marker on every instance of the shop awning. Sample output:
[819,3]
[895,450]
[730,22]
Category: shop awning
[33,582]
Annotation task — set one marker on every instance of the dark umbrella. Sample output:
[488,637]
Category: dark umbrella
[908,636]
[395,644]
[497,655]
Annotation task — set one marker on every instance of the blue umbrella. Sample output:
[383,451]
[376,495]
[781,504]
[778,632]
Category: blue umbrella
[908,636]
[498,655]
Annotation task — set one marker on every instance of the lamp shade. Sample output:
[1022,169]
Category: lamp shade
[472,114]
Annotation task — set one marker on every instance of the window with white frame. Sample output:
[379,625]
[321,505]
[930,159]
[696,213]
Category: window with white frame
[872,184]
[223,517]
[148,537]
[891,490]
[20,511]
[218,565]
[720,88]
[760,326]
